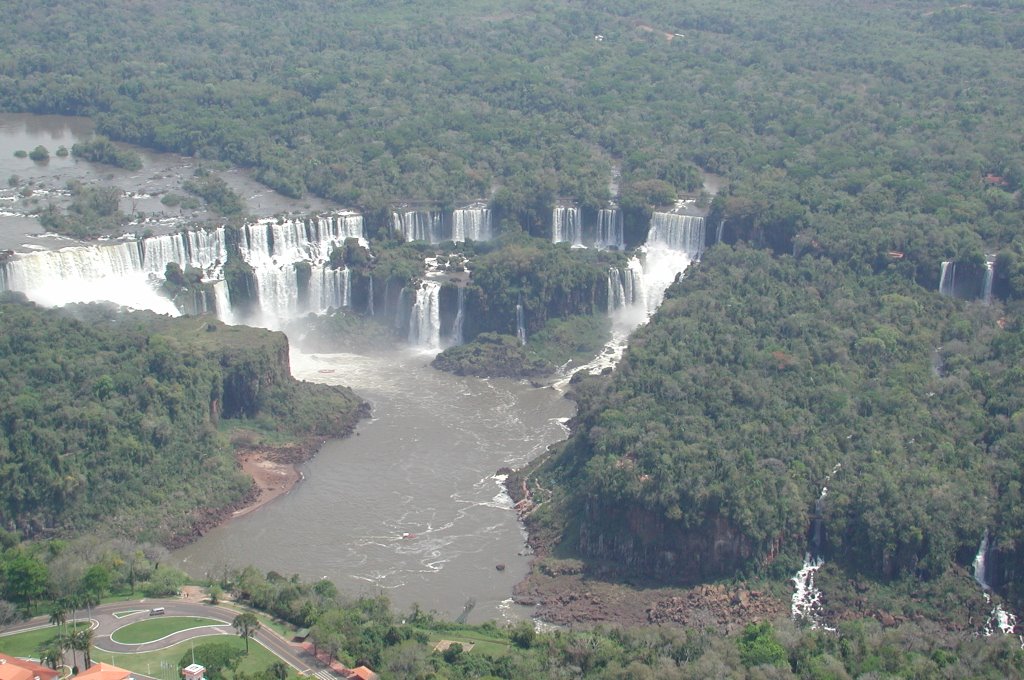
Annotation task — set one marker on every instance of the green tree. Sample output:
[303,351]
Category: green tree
[247,626]
[25,578]
[216,657]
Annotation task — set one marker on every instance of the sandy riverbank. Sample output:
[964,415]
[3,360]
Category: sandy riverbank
[273,475]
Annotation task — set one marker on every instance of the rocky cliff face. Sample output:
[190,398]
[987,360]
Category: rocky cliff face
[250,373]
[644,543]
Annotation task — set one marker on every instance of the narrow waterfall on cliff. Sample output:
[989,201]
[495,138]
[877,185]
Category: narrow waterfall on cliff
[425,317]
[520,322]
[610,233]
[990,267]
[566,225]
[999,619]
[807,604]
[472,223]
[419,225]
[718,233]
[222,302]
[456,334]
[369,298]
[947,277]
[624,285]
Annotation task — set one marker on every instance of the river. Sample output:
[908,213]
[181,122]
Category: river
[27,186]
[410,505]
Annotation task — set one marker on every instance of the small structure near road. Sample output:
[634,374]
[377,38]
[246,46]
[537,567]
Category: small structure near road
[106,671]
[193,671]
[13,668]
[361,673]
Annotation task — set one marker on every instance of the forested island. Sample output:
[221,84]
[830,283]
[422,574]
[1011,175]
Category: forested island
[835,383]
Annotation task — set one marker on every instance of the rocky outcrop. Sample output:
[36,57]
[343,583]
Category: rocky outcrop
[639,542]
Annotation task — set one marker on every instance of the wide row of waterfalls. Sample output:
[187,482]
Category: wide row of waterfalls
[283,270]
[606,231]
[471,223]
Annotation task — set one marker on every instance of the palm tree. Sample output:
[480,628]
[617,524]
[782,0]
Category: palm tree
[81,640]
[52,655]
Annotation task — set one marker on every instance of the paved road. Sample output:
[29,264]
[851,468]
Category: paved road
[105,624]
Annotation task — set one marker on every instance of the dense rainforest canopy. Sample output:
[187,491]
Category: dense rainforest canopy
[850,129]
[111,423]
[864,143]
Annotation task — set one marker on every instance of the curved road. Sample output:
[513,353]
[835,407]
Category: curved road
[105,624]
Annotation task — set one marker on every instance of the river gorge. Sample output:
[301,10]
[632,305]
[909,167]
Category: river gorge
[411,505]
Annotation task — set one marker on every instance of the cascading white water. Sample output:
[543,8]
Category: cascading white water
[644,282]
[807,603]
[425,317]
[419,225]
[566,225]
[520,322]
[947,278]
[610,233]
[720,230]
[222,302]
[329,289]
[130,272]
[677,232]
[456,334]
[472,223]
[91,273]
[999,619]
[624,285]
[268,242]
[369,298]
[201,249]
[990,267]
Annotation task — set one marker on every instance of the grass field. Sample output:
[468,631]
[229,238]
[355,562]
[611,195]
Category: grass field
[493,646]
[164,663]
[157,628]
[27,644]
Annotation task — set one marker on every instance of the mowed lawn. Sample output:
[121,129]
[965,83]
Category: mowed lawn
[27,644]
[483,643]
[157,628]
[164,663]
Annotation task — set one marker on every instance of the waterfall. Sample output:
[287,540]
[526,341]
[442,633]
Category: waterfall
[677,232]
[89,273]
[369,298]
[807,603]
[456,334]
[979,563]
[947,278]
[998,619]
[205,250]
[718,233]
[472,223]
[644,281]
[609,229]
[566,225]
[222,302]
[625,286]
[989,275]
[616,290]
[329,289]
[130,272]
[425,318]
[270,241]
[520,322]
[419,225]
